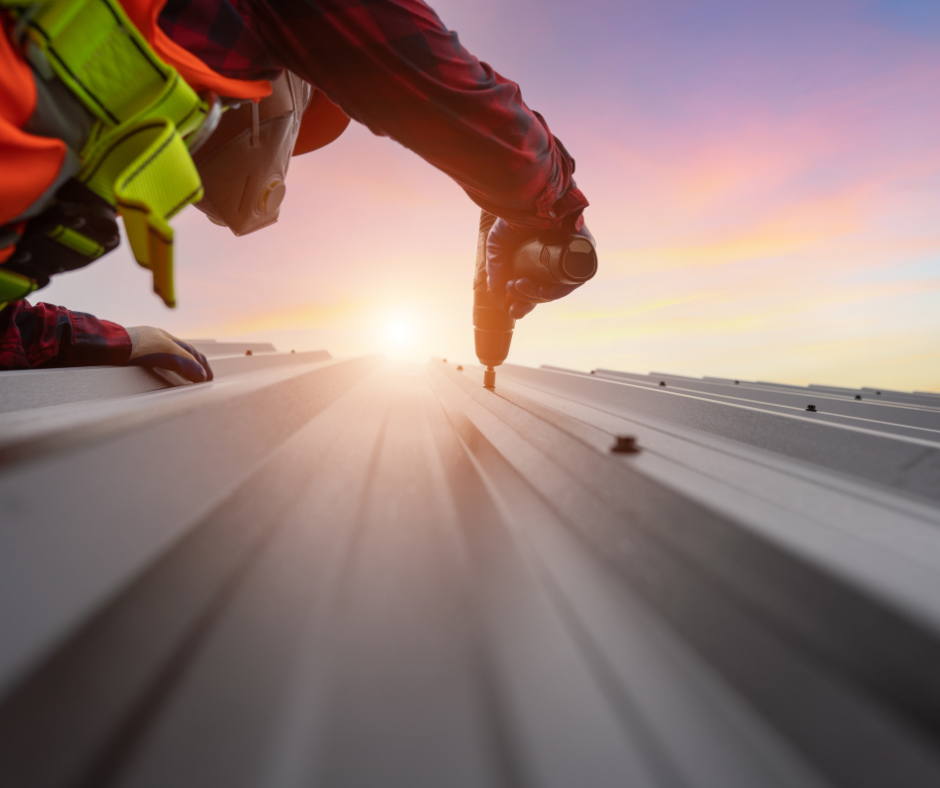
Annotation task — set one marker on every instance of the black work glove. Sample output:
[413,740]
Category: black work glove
[154,347]
[522,294]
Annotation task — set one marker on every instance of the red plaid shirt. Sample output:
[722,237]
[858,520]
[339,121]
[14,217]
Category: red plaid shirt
[52,336]
[390,65]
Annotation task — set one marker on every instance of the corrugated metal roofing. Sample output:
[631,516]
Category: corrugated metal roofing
[351,572]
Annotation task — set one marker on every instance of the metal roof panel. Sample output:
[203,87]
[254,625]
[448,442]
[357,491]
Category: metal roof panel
[355,572]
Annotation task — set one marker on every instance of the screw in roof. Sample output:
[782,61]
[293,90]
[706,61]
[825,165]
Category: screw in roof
[858,396]
[459,368]
[662,383]
[625,444]
[248,353]
[811,408]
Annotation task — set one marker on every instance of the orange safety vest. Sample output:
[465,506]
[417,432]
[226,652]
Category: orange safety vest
[30,164]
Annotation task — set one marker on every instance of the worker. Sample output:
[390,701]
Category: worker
[141,107]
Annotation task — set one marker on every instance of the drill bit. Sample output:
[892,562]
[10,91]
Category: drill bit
[489,377]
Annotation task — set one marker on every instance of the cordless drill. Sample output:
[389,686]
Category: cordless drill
[551,258]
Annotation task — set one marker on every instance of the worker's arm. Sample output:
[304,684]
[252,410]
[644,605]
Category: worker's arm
[44,335]
[394,67]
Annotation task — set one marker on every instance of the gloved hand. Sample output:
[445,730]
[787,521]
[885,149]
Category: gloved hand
[522,294]
[154,347]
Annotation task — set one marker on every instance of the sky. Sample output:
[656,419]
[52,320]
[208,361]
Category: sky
[764,179]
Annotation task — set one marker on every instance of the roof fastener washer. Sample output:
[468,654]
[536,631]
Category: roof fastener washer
[662,383]
[625,444]
[811,408]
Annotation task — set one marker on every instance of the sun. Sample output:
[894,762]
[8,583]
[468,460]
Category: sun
[399,332]
[402,333]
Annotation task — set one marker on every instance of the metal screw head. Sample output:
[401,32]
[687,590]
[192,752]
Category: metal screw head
[662,383]
[878,393]
[625,444]
[293,351]
[737,383]
[459,368]
[444,360]
[858,396]
[248,353]
[811,408]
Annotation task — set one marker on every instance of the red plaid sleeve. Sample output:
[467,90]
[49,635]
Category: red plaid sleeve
[395,67]
[216,33]
[53,336]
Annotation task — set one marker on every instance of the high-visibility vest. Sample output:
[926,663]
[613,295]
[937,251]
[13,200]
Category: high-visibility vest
[146,101]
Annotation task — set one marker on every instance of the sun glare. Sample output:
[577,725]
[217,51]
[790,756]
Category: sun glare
[406,333]
[398,332]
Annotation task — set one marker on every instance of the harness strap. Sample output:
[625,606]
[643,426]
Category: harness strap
[135,157]
[151,178]
[14,286]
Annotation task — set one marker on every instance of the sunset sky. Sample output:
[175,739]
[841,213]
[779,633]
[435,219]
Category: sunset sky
[764,178]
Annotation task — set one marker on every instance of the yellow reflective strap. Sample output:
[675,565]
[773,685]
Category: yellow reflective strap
[95,49]
[116,152]
[76,242]
[161,265]
[14,286]
[157,180]
[151,239]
